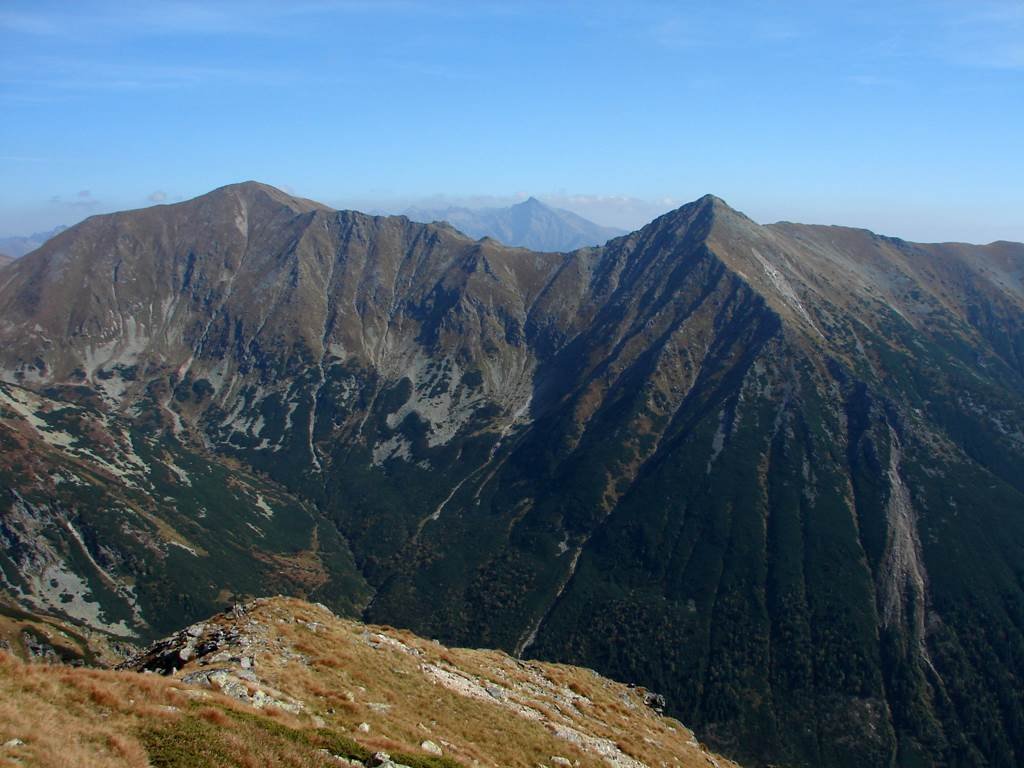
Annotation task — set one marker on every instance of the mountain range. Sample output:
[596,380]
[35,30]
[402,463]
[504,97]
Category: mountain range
[529,224]
[775,473]
[17,246]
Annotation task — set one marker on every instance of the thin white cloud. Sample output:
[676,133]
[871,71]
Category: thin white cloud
[677,33]
[35,24]
[23,159]
[871,81]
[426,69]
[106,20]
[66,75]
[82,200]
[680,30]
[987,34]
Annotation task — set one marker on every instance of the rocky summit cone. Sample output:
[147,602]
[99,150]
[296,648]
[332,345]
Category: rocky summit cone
[773,472]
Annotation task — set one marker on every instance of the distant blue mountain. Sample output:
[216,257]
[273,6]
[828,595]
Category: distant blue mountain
[530,224]
[17,246]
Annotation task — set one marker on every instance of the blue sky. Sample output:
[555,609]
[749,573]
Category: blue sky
[904,117]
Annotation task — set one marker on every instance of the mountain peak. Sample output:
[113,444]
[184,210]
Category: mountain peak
[530,223]
[17,246]
[531,203]
[253,190]
[707,208]
[715,203]
[710,203]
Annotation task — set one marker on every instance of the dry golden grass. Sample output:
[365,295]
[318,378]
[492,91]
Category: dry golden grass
[98,718]
[346,677]
[71,717]
[348,674]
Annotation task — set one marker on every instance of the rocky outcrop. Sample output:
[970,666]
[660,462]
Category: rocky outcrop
[226,654]
[284,654]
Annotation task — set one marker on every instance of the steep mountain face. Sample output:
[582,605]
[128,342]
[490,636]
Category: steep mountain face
[772,472]
[529,224]
[18,246]
[110,524]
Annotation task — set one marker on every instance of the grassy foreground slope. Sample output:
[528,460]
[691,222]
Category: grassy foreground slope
[286,683]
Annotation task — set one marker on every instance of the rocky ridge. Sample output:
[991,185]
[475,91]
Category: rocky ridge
[351,694]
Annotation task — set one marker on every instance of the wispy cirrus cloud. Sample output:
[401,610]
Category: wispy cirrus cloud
[86,35]
[424,68]
[980,34]
[34,76]
[83,200]
[104,19]
[985,33]
[872,81]
[681,30]
[29,23]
